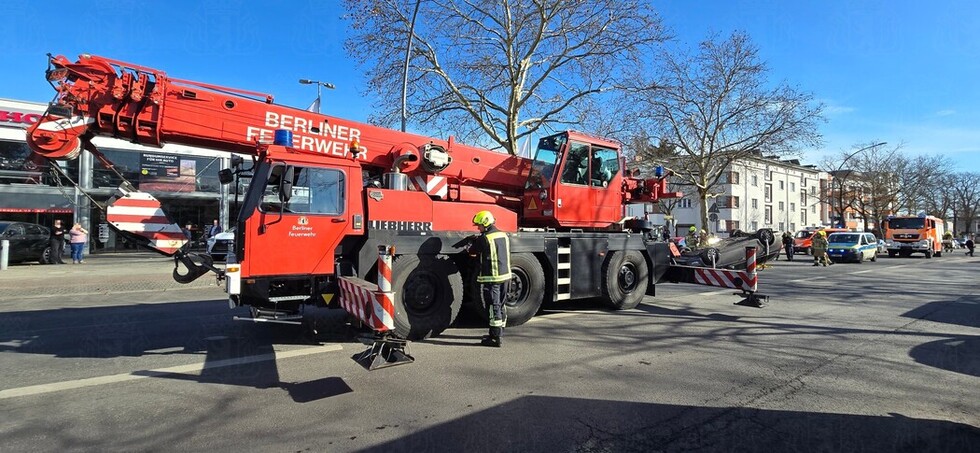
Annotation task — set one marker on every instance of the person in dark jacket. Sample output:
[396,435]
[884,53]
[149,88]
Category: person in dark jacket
[788,246]
[493,248]
[57,243]
[969,246]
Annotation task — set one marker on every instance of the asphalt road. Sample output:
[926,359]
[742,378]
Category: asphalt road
[112,355]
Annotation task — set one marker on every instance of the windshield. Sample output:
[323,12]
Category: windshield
[546,159]
[908,223]
[839,238]
[803,234]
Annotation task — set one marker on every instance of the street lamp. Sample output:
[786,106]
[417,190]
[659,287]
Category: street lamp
[318,84]
[840,181]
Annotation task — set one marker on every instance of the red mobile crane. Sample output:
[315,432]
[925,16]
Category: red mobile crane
[325,192]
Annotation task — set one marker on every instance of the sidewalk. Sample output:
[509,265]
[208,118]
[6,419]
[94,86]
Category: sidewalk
[100,273]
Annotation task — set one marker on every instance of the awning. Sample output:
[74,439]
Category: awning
[50,203]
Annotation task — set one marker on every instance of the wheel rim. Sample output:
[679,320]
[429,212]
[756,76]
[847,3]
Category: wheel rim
[420,292]
[518,289]
[628,278]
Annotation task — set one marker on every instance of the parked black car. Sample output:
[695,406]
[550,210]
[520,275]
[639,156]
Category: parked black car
[729,252]
[28,241]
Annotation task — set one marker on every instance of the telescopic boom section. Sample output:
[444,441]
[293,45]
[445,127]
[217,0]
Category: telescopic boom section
[103,97]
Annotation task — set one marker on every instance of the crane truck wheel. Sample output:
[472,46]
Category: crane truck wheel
[428,294]
[626,276]
[525,291]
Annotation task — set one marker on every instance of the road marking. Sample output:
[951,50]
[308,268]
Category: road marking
[180,369]
[715,293]
[863,272]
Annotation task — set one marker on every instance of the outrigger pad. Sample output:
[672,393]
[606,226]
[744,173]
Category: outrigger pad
[385,352]
[754,300]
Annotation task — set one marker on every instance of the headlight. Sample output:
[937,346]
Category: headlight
[889,243]
[924,242]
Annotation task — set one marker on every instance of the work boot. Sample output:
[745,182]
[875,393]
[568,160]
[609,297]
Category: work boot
[493,342]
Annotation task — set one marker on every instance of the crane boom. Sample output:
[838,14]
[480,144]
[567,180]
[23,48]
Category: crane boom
[105,97]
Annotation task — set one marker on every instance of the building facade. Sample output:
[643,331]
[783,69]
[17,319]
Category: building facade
[753,193]
[183,178]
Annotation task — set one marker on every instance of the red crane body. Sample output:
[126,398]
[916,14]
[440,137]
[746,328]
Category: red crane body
[326,191]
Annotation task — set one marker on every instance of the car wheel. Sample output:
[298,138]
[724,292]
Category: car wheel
[710,256]
[45,256]
[874,257]
[860,258]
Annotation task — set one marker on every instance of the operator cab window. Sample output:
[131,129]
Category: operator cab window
[605,165]
[315,191]
[577,167]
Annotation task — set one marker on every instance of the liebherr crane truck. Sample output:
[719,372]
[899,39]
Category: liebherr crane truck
[324,192]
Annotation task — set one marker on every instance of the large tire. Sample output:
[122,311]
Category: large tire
[45,256]
[928,254]
[525,292]
[892,253]
[428,294]
[625,279]
[710,256]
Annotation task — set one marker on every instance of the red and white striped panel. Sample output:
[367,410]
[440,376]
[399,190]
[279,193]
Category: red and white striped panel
[140,213]
[432,185]
[725,278]
[384,311]
[357,297]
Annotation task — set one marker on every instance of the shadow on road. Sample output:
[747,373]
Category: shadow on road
[541,423]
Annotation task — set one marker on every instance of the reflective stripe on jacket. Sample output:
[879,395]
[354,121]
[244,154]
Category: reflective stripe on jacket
[494,257]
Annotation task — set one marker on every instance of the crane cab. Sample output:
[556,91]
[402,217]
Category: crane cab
[576,182]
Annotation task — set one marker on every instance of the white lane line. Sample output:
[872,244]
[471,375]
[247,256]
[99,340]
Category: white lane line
[715,293]
[142,374]
[800,280]
[863,272]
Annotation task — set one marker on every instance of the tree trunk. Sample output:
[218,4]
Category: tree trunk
[703,201]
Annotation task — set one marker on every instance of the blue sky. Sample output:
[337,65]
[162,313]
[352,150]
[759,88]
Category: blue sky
[905,72]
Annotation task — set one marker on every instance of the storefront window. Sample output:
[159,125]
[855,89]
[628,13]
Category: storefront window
[159,172]
[19,166]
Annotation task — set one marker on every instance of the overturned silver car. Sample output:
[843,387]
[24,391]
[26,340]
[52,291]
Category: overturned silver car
[729,253]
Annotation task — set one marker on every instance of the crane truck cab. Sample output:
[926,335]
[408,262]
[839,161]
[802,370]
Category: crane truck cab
[905,235]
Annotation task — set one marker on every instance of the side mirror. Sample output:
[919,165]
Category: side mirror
[286,184]
[236,161]
[226,176]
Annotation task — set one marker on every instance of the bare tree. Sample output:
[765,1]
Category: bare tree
[495,72]
[846,186]
[877,168]
[940,202]
[920,181]
[966,197]
[715,107]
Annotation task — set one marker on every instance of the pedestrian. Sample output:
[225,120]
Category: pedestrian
[788,245]
[691,241]
[79,236]
[187,231]
[493,249]
[969,246]
[57,243]
[212,230]
[820,249]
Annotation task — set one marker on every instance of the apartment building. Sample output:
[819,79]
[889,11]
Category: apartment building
[756,192]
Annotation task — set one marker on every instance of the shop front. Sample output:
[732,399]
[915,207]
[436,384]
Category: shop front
[184,179]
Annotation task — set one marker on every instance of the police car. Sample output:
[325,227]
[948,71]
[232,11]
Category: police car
[852,246]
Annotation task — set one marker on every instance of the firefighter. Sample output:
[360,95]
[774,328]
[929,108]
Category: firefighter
[788,245]
[820,249]
[692,240]
[493,248]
